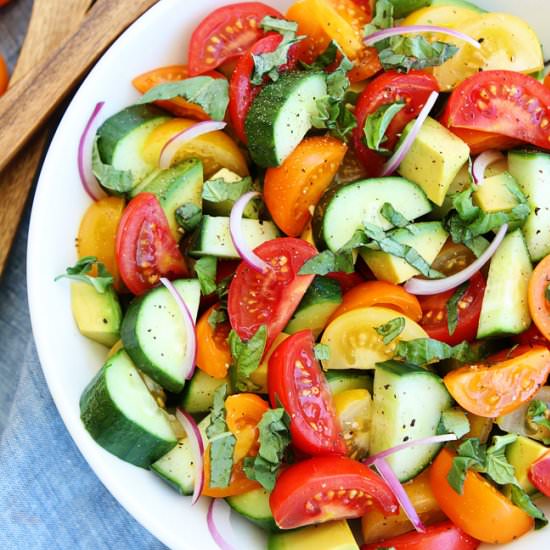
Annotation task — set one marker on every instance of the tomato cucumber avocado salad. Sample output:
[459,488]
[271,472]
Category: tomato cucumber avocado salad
[319,253]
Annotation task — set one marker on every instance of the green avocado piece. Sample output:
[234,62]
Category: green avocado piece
[493,195]
[434,159]
[427,238]
[98,316]
[459,3]
[342,380]
[404,7]
[319,302]
[521,454]
[335,535]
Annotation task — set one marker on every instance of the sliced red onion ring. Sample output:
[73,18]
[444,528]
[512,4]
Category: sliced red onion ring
[87,178]
[482,162]
[239,241]
[413,443]
[426,287]
[219,525]
[415,29]
[172,146]
[197,450]
[386,473]
[188,364]
[395,160]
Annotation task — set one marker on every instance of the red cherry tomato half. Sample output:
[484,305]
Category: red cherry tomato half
[441,536]
[257,299]
[145,248]
[346,280]
[327,488]
[539,474]
[226,33]
[434,313]
[502,102]
[241,90]
[532,337]
[414,88]
[295,380]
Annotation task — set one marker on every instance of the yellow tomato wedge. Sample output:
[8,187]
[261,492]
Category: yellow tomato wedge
[507,43]
[216,149]
[441,16]
[353,409]
[354,342]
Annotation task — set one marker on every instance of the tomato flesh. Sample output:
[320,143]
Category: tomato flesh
[441,536]
[296,381]
[241,91]
[145,247]
[532,337]
[539,304]
[226,33]
[539,474]
[177,106]
[434,313]
[327,488]
[502,102]
[414,88]
[270,298]
[499,387]
[4,75]
[213,354]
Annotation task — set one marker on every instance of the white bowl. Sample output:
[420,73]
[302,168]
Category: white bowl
[69,360]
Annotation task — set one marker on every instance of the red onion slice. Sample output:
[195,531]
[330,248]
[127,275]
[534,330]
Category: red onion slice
[395,160]
[413,443]
[172,146]
[197,450]
[415,29]
[239,241]
[426,287]
[219,525]
[87,178]
[386,473]
[188,364]
[482,162]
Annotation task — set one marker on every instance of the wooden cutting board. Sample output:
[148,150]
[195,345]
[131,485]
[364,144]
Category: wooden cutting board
[51,22]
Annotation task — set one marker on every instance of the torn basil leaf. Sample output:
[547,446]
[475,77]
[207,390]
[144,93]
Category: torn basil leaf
[80,272]
[452,306]
[188,216]
[117,181]
[321,352]
[206,268]
[391,330]
[377,123]
[382,19]
[247,356]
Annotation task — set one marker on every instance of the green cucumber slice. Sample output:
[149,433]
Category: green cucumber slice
[121,415]
[198,395]
[254,505]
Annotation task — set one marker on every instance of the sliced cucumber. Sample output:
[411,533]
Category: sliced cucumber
[198,396]
[176,467]
[319,302]
[280,116]
[343,210]
[175,187]
[153,332]
[121,415]
[505,308]
[213,237]
[531,169]
[121,137]
[254,505]
[342,380]
[408,402]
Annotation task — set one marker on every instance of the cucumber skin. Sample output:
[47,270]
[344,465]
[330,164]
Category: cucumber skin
[261,117]
[132,347]
[116,127]
[105,423]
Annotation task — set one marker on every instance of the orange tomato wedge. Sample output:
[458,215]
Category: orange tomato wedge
[243,411]
[213,354]
[539,304]
[292,189]
[481,511]
[497,389]
[380,293]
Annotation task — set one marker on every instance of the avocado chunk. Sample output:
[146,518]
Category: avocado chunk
[521,454]
[98,316]
[493,194]
[335,535]
[319,302]
[458,3]
[175,187]
[223,207]
[427,238]
[434,159]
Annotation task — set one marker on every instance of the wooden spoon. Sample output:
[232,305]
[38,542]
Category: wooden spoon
[39,85]
[51,22]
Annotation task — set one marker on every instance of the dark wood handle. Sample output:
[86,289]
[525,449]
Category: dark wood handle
[29,102]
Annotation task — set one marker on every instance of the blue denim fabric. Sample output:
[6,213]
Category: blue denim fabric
[49,497]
